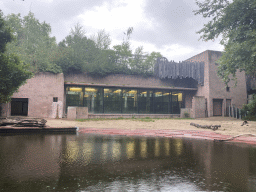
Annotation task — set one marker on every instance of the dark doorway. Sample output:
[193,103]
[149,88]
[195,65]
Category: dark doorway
[19,106]
[217,107]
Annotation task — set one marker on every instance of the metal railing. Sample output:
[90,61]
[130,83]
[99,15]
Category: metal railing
[235,112]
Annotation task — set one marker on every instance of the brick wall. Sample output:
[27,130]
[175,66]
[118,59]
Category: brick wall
[214,88]
[40,91]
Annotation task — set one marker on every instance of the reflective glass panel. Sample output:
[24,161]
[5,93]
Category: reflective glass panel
[166,103]
[158,102]
[176,102]
[74,96]
[145,101]
[112,100]
[130,101]
[93,99]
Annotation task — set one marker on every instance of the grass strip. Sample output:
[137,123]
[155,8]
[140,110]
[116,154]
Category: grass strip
[145,119]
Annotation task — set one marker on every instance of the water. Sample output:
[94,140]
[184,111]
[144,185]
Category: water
[112,163]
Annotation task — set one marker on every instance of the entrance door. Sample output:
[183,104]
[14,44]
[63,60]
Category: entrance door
[217,107]
[19,106]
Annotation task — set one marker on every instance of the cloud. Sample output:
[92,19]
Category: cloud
[60,14]
[166,26]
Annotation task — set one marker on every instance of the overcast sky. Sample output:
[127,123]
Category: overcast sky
[166,26]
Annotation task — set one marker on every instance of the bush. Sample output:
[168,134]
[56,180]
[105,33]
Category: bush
[250,109]
[186,115]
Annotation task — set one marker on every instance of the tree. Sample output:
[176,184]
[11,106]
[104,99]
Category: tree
[124,52]
[250,109]
[13,72]
[235,21]
[102,40]
[94,56]
[77,52]
[33,43]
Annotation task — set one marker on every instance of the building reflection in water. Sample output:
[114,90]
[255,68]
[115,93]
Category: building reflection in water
[157,147]
[87,152]
[130,147]
[178,146]
[167,146]
[116,150]
[143,148]
[85,160]
[104,151]
[72,151]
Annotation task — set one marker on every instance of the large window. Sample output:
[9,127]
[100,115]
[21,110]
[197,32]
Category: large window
[112,100]
[74,96]
[145,98]
[176,102]
[158,102]
[130,101]
[166,102]
[120,100]
[93,99]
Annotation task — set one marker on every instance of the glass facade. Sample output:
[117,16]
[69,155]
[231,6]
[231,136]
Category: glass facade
[124,100]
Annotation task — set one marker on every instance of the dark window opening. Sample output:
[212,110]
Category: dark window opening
[19,106]
[55,99]
[227,89]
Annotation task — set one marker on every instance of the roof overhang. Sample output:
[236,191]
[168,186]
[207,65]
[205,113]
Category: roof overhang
[130,86]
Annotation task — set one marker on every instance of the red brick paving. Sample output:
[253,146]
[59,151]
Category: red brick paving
[206,135]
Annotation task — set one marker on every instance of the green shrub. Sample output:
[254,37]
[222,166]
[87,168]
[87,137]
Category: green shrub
[186,115]
[250,109]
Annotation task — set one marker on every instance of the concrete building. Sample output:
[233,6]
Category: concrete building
[191,87]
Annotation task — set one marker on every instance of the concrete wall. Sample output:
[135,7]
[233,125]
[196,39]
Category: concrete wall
[214,88]
[129,80]
[188,96]
[77,113]
[205,89]
[40,91]
[198,107]
[237,94]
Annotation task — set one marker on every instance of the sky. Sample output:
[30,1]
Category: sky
[165,26]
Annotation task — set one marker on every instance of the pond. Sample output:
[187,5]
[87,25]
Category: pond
[88,162]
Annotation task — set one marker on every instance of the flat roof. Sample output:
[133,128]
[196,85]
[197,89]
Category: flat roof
[129,86]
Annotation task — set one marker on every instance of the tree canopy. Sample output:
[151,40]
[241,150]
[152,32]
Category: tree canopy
[76,52]
[33,43]
[93,55]
[13,72]
[235,22]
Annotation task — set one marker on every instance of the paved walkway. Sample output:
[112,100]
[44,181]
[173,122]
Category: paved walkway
[206,135]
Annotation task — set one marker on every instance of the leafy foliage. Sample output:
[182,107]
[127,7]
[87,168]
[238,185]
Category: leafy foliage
[94,56]
[13,73]
[33,43]
[250,109]
[76,53]
[235,21]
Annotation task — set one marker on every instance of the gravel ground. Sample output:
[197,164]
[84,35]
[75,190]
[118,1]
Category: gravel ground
[229,126]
